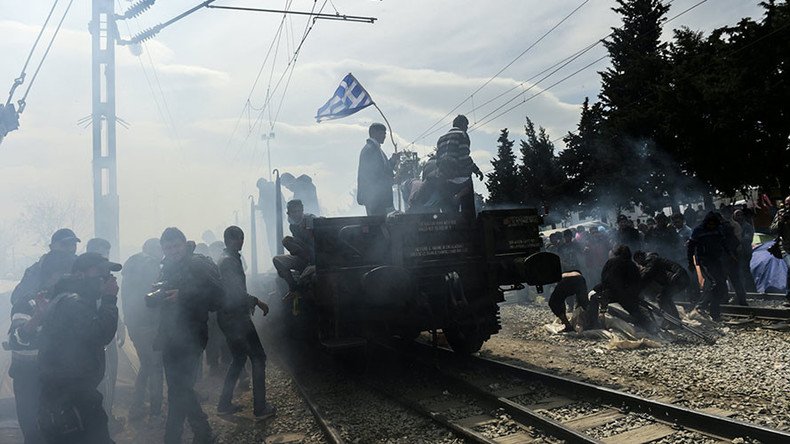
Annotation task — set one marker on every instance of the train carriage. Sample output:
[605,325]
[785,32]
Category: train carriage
[407,273]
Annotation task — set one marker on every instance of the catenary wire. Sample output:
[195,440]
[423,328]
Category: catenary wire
[508,65]
[22,101]
[21,77]
[686,11]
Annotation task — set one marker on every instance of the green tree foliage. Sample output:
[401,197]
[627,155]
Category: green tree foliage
[635,157]
[581,160]
[676,119]
[541,177]
[729,102]
[503,180]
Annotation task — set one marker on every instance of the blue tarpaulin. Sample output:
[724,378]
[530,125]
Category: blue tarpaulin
[770,273]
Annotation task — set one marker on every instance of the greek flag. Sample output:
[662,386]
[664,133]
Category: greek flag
[349,98]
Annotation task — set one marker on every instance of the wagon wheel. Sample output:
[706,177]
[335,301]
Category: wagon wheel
[464,337]
[465,340]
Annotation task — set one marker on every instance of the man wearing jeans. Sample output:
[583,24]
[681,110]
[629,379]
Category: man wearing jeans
[234,320]
[781,227]
[140,272]
[191,288]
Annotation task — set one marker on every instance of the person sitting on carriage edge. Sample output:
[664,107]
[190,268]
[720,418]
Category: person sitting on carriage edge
[375,175]
[301,246]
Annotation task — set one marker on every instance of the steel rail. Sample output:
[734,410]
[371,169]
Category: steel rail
[459,430]
[517,411]
[767,313]
[327,428]
[691,419]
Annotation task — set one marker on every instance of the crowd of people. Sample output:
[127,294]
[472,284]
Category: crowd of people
[66,330]
[644,258]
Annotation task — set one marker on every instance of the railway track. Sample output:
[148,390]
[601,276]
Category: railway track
[779,314]
[330,432]
[479,395]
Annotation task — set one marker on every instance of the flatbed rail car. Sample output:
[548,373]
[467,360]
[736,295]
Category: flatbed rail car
[379,276]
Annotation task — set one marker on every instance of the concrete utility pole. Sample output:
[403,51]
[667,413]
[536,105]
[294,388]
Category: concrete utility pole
[105,183]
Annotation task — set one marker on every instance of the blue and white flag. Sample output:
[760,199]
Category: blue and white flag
[349,98]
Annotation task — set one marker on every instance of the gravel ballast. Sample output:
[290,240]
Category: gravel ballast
[747,371]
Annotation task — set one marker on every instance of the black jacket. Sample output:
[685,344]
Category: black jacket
[139,272]
[375,176]
[183,321]
[236,303]
[74,334]
[54,263]
[620,280]
[662,271]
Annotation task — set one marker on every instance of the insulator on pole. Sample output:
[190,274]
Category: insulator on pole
[143,36]
[136,9]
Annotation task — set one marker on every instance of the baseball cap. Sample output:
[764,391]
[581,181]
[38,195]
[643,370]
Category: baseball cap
[64,234]
[86,261]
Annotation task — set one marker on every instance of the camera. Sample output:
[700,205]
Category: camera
[157,295]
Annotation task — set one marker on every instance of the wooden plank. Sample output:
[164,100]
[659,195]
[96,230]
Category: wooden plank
[516,438]
[550,403]
[596,419]
[474,421]
[642,435]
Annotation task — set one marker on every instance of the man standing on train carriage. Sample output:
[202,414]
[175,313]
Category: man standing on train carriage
[376,175]
[456,166]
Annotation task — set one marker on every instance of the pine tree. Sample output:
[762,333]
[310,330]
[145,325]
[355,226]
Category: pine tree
[503,180]
[539,171]
[582,159]
[629,96]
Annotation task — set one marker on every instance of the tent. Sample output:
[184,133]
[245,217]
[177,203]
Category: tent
[770,273]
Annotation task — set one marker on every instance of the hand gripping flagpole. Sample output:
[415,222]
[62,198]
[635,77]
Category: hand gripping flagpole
[389,128]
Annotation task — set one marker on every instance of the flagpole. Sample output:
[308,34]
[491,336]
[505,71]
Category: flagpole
[393,144]
[388,126]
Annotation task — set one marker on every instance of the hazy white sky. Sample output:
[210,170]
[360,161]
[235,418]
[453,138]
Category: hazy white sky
[181,163]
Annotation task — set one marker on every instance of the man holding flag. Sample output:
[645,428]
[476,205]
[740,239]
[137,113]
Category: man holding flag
[375,175]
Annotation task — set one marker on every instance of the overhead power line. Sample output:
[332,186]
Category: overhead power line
[22,102]
[19,80]
[314,17]
[508,65]
[561,64]
[680,14]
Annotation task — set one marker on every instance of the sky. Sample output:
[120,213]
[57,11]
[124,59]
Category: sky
[192,152]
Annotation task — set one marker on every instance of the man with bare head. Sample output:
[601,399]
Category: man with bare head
[140,272]
[191,289]
[376,175]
